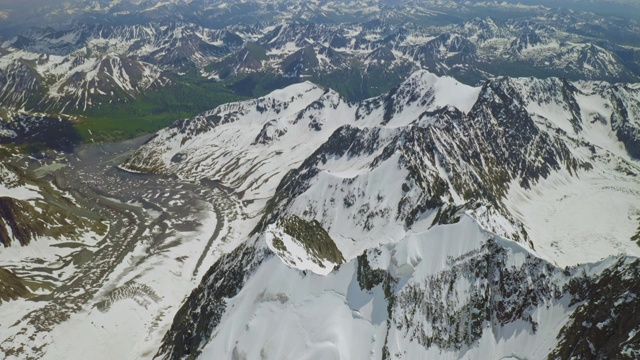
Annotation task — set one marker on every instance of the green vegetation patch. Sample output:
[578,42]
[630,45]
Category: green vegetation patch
[187,96]
[12,287]
[313,237]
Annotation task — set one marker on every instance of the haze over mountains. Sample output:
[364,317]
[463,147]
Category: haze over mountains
[324,180]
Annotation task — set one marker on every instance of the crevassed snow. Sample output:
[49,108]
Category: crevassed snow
[580,219]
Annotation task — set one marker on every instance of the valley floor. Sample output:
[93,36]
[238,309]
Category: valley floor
[114,296]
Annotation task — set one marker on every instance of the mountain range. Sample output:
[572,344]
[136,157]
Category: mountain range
[83,65]
[338,179]
[437,201]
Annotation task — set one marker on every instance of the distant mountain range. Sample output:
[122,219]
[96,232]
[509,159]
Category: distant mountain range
[81,66]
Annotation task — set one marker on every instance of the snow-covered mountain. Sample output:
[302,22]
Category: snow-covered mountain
[167,44]
[473,51]
[221,12]
[448,144]
[425,182]
[87,66]
[437,219]
[81,66]
[454,291]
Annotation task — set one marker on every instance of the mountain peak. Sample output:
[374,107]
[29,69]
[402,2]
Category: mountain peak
[295,90]
[437,91]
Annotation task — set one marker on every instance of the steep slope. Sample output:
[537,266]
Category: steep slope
[450,292]
[73,82]
[101,81]
[430,220]
[436,195]
[165,44]
[18,82]
[430,146]
[271,127]
[25,214]
[83,66]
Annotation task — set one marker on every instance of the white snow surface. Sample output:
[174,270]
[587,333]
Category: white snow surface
[257,142]
[10,186]
[574,220]
[26,192]
[448,91]
[321,311]
[331,317]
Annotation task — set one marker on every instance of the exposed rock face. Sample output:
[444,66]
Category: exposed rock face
[421,180]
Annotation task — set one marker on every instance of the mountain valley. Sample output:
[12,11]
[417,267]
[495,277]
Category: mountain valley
[319,180]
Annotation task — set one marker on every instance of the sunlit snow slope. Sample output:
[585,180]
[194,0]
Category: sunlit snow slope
[514,153]
[432,221]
